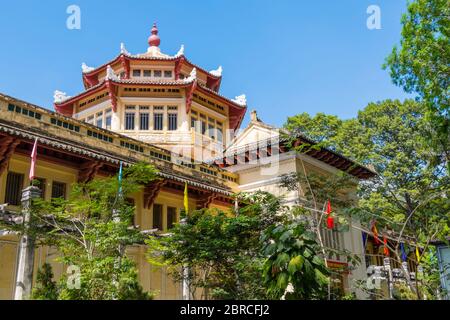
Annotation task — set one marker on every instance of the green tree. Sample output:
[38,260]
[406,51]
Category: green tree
[91,230]
[46,288]
[321,128]
[293,268]
[221,252]
[422,63]
[410,195]
[227,254]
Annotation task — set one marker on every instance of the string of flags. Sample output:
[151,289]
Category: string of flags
[373,228]
[386,250]
[404,256]
[375,232]
[417,254]
[330,219]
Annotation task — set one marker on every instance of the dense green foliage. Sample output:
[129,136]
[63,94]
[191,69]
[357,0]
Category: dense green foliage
[410,195]
[421,64]
[46,288]
[91,230]
[293,270]
[227,253]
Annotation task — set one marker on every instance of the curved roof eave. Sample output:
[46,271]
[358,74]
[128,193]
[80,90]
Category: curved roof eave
[135,57]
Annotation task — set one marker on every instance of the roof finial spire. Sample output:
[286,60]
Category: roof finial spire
[154,39]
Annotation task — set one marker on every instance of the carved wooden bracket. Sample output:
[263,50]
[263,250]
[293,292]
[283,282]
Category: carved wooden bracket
[88,171]
[189,95]
[178,65]
[112,94]
[213,83]
[151,192]
[7,147]
[204,201]
[92,80]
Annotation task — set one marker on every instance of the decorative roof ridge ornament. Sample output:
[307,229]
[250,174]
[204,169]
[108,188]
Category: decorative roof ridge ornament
[217,72]
[154,40]
[180,52]
[59,96]
[110,75]
[241,100]
[192,76]
[85,68]
[123,50]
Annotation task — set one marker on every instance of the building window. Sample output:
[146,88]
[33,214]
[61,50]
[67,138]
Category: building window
[108,118]
[99,119]
[147,73]
[157,216]
[171,217]
[193,122]
[157,73]
[14,186]
[167,74]
[173,124]
[158,121]
[203,123]
[90,120]
[136,73]
[203,127]
[219,132]
[211,130]
[332,239]
[58,190]
[143,121]
[129,121]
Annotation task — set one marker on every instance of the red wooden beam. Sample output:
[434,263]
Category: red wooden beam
[88,171]
[151,192]
[7,147]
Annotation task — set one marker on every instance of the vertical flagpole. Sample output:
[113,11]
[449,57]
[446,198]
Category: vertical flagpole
[25,264]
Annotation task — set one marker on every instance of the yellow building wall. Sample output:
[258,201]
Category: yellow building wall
[46,170]
[8,260]
[151,278]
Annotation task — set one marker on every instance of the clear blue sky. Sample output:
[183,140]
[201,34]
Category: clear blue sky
[286,56]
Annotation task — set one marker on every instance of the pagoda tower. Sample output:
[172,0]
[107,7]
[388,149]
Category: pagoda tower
[160,99]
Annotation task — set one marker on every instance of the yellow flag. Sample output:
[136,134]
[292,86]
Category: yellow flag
[417,254]
[186,201]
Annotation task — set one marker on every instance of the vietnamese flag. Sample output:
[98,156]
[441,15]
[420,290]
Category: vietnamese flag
[330,219]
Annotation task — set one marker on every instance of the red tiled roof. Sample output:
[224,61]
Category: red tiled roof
[137,57]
